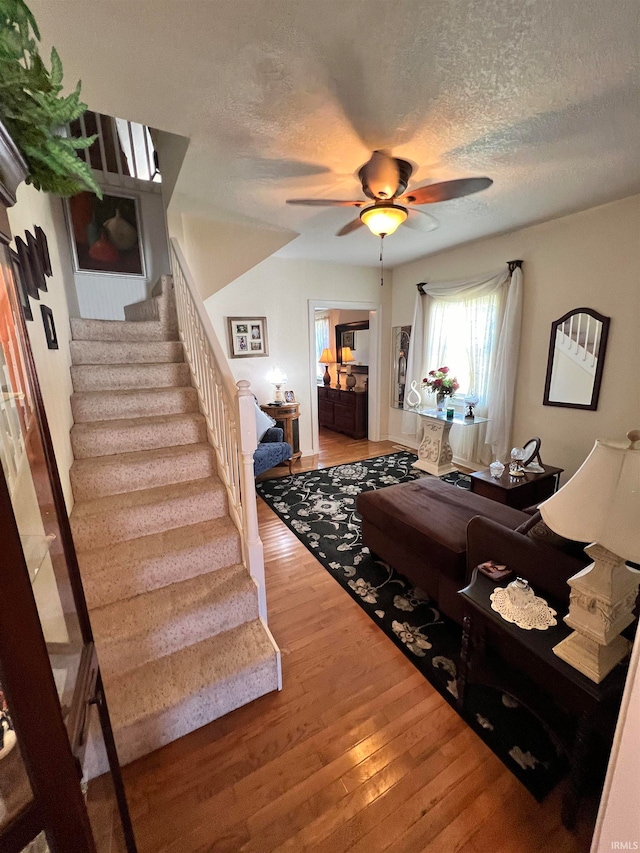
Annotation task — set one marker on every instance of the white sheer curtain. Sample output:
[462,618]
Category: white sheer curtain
[477,323]
[322,340]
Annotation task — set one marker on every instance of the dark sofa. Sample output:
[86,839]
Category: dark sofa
[435,534]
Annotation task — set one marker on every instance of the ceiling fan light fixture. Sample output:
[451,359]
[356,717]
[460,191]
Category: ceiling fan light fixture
[383,219]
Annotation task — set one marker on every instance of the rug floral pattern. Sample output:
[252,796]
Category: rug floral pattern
[320,508]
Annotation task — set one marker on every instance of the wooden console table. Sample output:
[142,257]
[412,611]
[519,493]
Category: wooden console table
[573,709]
[286,417]
[343,411]
[435,454]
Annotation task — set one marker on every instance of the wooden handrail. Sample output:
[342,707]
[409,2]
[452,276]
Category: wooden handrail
[229,411]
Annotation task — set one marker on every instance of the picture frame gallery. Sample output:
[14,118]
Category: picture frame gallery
[247,337]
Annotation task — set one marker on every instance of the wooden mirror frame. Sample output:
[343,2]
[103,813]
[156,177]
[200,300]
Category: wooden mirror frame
[597,380]
[358,326]
[532,451]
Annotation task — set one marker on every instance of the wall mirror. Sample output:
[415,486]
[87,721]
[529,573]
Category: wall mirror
[356,337]
[401,338]
[576,357]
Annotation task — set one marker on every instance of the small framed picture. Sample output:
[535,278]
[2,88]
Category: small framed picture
[35,262]
[43,246]
[247,337]
[21,286]
[349,340]
[30,281]
[289,397]
[49,327]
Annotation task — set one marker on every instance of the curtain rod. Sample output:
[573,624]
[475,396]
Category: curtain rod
[513,265]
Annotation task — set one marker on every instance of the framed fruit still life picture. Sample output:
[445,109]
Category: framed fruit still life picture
[106,235]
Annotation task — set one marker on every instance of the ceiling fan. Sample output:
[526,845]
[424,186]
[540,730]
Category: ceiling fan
[384,180]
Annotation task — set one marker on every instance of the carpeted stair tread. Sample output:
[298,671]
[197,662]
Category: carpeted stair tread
[116,518]
[145,469]
[123,352]
[135,631]
[126,435]
[123,377]
[90,406]
[119,330]
[163,700]
[136,566]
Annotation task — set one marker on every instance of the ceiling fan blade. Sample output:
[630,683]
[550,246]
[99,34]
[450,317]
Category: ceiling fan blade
[420,221]
[349,227]
[380,175]
[325,202]
[445,191]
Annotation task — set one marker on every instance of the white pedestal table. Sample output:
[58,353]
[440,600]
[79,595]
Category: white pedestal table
[435,454]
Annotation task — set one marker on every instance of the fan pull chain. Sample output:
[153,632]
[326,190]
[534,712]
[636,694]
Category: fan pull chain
[381,261]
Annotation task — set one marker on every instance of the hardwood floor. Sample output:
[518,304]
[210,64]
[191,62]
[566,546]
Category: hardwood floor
[357,752]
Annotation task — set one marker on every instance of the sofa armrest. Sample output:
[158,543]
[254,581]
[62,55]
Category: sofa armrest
[273,434]
[545,568]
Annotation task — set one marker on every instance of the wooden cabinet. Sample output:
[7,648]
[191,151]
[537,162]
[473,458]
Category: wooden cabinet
[343,411]
[286,417]
[50,683]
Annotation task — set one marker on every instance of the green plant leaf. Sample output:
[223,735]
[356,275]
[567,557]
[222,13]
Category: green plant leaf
[56,70]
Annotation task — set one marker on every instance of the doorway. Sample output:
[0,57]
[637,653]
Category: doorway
[374,311]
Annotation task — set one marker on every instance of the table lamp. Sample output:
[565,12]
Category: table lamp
[326,358]
[277,377]
[600,504]
[347,358]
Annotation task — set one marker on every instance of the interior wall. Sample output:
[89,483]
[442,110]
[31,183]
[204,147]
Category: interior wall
[53,366]
[280,290]
[219,252]
[589,259]
[103,297]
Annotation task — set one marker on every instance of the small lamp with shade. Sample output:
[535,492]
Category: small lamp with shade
[600,504]
[348,358]
[277,377]
[326,358]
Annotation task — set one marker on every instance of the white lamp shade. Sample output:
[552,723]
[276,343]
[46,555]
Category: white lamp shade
[277,376]
[347,355]
[326,357]
[601,502]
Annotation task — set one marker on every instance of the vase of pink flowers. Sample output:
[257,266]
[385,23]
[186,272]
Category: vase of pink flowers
[442,384]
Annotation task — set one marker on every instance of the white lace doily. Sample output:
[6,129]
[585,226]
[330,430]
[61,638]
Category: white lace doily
[534,612]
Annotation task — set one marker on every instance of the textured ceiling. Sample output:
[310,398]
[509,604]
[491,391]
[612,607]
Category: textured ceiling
[287,98]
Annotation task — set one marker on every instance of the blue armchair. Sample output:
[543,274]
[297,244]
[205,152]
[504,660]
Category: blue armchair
[271,450]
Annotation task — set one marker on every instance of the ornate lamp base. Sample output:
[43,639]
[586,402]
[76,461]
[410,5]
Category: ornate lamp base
[590,658]
[327,376]
[601,605]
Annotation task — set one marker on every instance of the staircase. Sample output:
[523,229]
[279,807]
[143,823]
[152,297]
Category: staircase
[174,610]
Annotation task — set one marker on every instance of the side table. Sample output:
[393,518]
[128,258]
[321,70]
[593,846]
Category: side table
[573,708]
[518,492]
[286,417]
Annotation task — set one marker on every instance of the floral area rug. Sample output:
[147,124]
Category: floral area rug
[320,508]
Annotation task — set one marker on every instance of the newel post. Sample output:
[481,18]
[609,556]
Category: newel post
[248,443]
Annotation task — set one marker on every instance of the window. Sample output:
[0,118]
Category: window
[322,340]
[461,336]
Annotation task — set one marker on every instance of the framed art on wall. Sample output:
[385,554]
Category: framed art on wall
[49,327]
[21,286]
[35,262]
[30,282]
[247,337]
[105,234]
